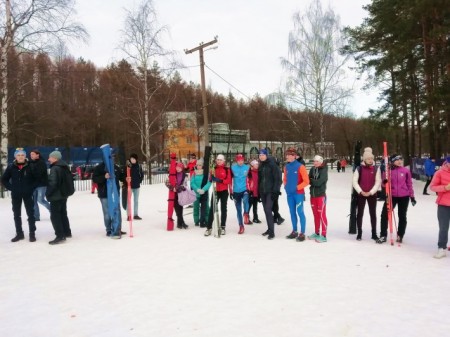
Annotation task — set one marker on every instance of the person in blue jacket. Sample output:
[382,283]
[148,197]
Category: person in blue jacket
[239,193]
[430,168]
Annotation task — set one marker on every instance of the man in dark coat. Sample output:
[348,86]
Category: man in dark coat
[269,183]
[58,201]
[19,179]
[39,168]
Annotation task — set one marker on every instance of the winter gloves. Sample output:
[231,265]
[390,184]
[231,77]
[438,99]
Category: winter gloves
[413,201]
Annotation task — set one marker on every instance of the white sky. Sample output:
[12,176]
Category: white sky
[252,34]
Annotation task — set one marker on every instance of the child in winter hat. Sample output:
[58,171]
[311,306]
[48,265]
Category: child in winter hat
[220,157]
[368,154]
[318,159]
[200,162]
[254,162]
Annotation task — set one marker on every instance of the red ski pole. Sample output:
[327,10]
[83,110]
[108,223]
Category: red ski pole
[130,216]
[388,193]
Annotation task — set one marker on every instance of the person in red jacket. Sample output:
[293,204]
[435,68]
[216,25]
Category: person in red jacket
[252,187]
[221,175]
[441,185]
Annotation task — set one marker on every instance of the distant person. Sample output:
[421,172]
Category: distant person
[269,183]
[338,166]
[252,186]
[402,192]
[58,198]
[238,192]
[200,185]
[295,180]
[221,176]
[100,176]
[137,175]
[318,177]
[20,180]
[343,164]
[441,185]
[180,185]
[39,167]
[430,168]
[366,182]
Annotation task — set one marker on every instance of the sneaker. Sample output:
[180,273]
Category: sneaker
[313,236]
[197,224]
[375,237]
[116,237]
[246,219]
[280,220]
[382,239]
[184,226]
[256,220]
[123,233]
[208,232]
[440,253]
[68,235]
[425,193]
[57,240]
[222,231]
[137,217]
[270,237]
[265,233]
[300,238]
[399,239]
[32,237]
[293,235]
[179,226]
[241,230]
[203,225]
[108,233]
[321,239]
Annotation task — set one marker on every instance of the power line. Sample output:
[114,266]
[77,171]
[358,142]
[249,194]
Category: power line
[227,82]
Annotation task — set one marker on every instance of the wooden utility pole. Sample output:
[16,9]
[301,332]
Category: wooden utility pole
[202,75]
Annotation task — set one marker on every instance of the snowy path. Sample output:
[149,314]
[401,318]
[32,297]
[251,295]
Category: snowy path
[180,283]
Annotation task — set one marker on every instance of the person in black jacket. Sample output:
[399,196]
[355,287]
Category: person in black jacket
[136,179]
[100,177]
[269,183]
[39,168]
[58,201]
[19,179]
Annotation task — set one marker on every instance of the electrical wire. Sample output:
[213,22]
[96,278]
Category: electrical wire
[227,82]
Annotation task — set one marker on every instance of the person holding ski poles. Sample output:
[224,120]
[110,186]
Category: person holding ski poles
[137,175]
[441,185]
[222,178]
[401,192]
[295,180]
[366,182]
[239,192]
[252,187]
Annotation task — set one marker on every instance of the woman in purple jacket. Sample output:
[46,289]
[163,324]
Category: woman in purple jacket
[402,191]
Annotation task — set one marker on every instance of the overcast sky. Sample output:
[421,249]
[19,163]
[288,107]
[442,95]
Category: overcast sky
[252,34]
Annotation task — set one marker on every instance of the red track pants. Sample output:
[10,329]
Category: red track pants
[319,209]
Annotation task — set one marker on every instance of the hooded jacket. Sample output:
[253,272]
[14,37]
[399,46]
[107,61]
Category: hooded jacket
[401,183]
[53,192]
[318,177]
[269,177]
[19,179]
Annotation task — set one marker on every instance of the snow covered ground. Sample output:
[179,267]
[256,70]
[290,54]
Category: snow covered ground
[181,283]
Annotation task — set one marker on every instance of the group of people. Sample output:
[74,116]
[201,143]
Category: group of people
[247,185]
[257,182]
[29,182]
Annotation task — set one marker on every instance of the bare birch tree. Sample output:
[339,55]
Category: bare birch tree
[315,69]
[31,26]
[141,42]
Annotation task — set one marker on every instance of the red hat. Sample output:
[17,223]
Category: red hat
[291,151]
[239,156]
[180,164]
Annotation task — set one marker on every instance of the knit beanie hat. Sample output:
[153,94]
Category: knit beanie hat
[200,162]
[239,157]
[263,151]
[395,157]
[55,154]
[447,159]
[220,157]
[20,150]
[134,155]
[254,162]
[368,153]
[318,159]
[180,164]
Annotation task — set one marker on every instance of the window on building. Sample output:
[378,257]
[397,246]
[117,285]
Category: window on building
[188,140]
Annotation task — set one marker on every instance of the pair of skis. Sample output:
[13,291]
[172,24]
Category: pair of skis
[388,194]
[113,193]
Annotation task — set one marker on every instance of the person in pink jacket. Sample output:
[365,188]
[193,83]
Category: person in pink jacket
[441,185]
[401,191]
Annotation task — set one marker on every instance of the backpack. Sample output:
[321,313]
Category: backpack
[67,185]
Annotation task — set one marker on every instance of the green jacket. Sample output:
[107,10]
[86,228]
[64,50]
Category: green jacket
[318,177]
